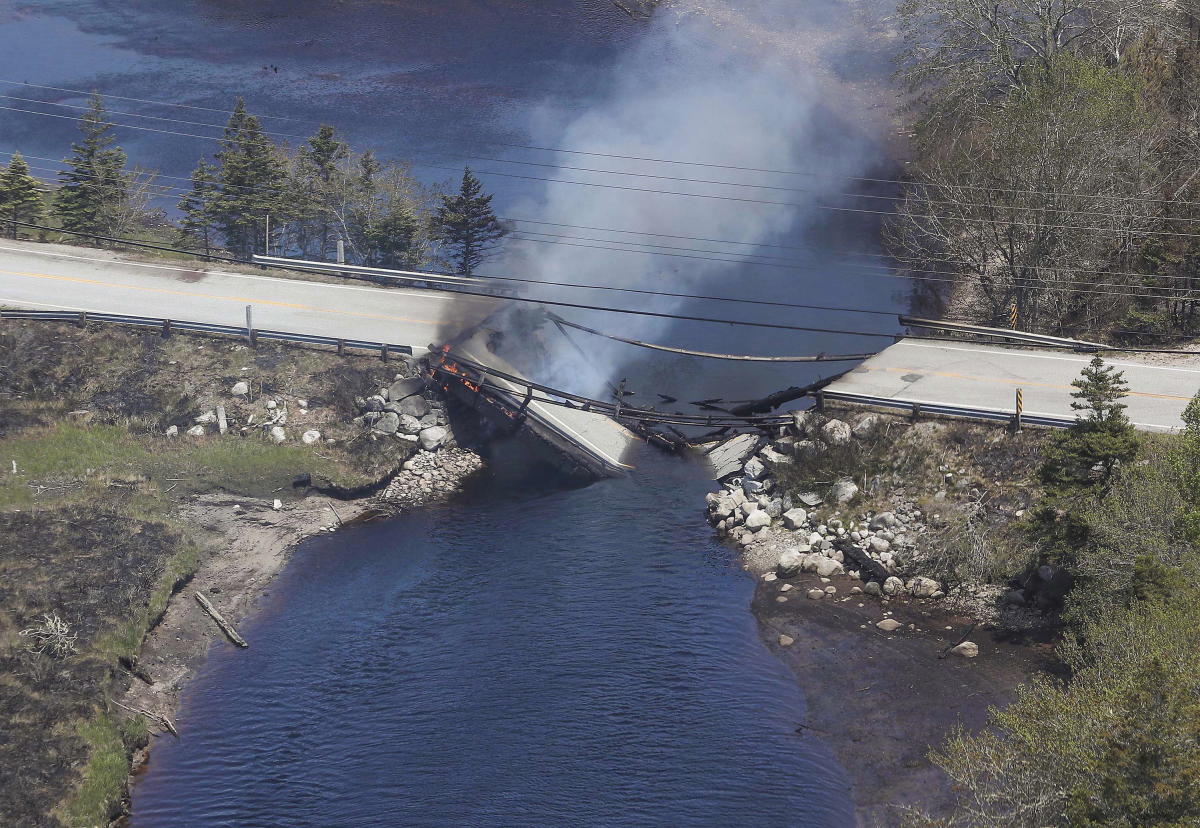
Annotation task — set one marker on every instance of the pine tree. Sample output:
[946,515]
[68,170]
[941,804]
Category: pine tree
[20,195]
[318,184]
[466,226]
[197,206]
[250,182]
[392,239]
[95,178]
[1100,439]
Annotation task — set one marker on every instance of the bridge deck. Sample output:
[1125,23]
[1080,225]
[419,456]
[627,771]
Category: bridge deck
[987,376]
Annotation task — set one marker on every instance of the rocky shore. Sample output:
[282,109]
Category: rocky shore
[847,520]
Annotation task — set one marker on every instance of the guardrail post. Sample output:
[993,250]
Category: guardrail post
[819,399]
[166,328]
[341,347]
[383,352]
[916,411]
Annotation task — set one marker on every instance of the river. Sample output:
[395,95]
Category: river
[531,654]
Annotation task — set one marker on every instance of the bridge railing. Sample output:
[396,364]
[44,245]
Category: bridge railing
[167,326]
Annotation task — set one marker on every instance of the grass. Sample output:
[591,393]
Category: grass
[95,801]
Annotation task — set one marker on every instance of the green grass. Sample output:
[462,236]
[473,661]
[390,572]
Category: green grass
[126,639]
[107,769]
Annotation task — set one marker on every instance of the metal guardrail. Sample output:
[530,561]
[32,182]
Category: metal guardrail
[170,325]
[443,281]
[1026,337]
[965,412]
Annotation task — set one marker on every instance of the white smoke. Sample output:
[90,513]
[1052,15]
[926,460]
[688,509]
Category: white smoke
[689,89]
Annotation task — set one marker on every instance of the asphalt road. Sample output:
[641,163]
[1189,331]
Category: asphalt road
[74,278]
[987,376]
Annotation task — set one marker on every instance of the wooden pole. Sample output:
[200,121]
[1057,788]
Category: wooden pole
[225,626]
[1019,409]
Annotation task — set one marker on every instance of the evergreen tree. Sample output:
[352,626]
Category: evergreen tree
[319,187]
[392,240]
[197,206]
[95,178]
[466,226]
[250,183]
[1101,437]
[20,195]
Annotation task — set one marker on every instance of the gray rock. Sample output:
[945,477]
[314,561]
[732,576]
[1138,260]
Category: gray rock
[816,594]
[310,437]
[803,421]
[882,521]
[878,545]
[207,417]
[889,625]
[967,649]
[402,388]
[277,434]
[774,508]
[388,423]
[1015,597]
[843,491]
[836,433]
[432,437]
[758,519]
[828,567]
[751,486]
[893,585]
[173,431]
[774,458]
[754,469]
[748,507]
[810,499]
[866,425]
[791,563]
[872,588]
[196,431]
[795,518]
[805,448]
[414,406]
[409,424]
[924,587]
[372,403]
[240,389]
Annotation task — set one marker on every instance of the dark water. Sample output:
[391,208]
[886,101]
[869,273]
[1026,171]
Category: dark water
[578,657]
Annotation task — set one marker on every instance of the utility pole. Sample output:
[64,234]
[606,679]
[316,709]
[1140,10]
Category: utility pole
[341,251]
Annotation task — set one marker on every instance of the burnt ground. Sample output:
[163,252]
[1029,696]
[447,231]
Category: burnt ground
[881,700]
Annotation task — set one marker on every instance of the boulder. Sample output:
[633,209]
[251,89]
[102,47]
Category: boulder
[795,518]
[843,491]
[372,403]
[754,469]
[207,417]
[810,499]
[758,519]
[882,521]
[196,431]
[310,437]
[748,508]
[878,545]
[827,567]
[1015,597]
[240,388]
[414,406]
[893,585]
[388,423]
[774,458]
[924,587]
[836,433]
[967,649]
[803,422]
[406,387]
[277,434]
[806,448]
[866,425]
[791,563]
[889,625]
[434,436]
[409,424]
[816,594]
[872,588]
[173,431]
[774,508]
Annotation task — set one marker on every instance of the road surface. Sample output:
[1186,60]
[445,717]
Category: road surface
[76,278]
[987,376]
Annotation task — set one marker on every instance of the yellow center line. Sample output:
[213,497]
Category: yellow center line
[1014,382]
[239,299]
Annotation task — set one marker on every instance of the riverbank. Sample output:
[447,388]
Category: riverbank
[140,470]
[894,579]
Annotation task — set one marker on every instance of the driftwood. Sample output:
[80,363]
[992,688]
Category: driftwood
[225,626]
[158,718]
[870,569]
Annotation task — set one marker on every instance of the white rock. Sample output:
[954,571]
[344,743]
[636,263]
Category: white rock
[302,403]
[865,425]
[827,567]
[795,518]
[240,389]
[878,545]
[831,590]
[893,585]
[311,436]
[836,433]
[748,508]
[924,587]
[196,431]
[967,649]
[786,640]
[843,491]
[207,417]
[758,520]
[271,405]
[816,594]
[791,562]
[754,468]
[277,504]
[172,431]
[889,625]
[432,437]
[277,434]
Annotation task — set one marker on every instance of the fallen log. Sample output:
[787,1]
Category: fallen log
[869,568]
[225,626]
[158,718]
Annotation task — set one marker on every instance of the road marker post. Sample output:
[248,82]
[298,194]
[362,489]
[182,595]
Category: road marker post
[1012,316]
[1019,409]
[250,337]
